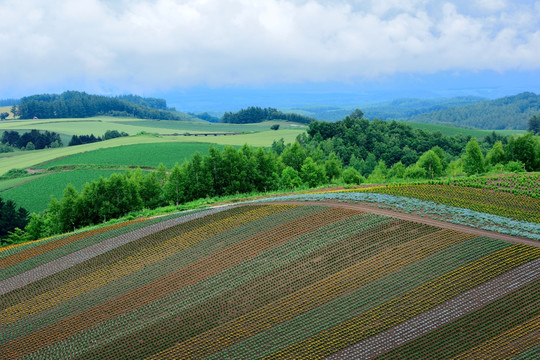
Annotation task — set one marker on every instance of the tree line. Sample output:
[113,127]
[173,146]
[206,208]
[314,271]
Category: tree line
[32,140]
[255,114]
[88,139]
[74,104]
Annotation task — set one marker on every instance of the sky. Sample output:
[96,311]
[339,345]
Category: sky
[200,53]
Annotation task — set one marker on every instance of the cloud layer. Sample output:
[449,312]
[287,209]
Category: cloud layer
[137,45]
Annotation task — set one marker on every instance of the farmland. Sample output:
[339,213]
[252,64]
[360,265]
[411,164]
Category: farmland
[35,195]
[281,280]
[144,155]
[25,159]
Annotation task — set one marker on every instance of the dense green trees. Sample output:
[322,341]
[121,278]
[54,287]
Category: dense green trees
[11,217]
[534,124]
[255,114]
[38,139]
[74,104]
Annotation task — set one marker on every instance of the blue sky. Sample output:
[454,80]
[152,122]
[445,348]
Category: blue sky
[220,52]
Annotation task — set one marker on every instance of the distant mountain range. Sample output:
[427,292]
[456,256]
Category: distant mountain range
[506,113]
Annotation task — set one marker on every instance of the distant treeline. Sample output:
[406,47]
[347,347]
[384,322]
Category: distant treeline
[88,139]
[154,103]
[74,104]
[32,140]
[9,102]
[255,114]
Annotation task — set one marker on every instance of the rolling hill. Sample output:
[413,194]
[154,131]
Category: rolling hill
[277,280]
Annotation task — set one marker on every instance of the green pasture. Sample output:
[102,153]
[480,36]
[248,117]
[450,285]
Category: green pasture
[451,130]
[172,127]
[35,195]
[9,183]
[99,125]
[132,155]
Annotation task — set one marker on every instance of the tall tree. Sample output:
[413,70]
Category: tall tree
[430,162]
[473,161]
[534,124]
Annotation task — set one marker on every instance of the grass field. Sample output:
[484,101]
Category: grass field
[25,159]
[35,195]
[98,126]
[8,110]
[135,155]
[270,282]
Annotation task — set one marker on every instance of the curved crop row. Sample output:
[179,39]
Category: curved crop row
[188,296]
[409,305]
[513,206]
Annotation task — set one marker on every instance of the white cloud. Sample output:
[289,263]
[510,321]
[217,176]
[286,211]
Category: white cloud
[154,44]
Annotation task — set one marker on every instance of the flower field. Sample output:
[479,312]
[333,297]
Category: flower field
[270,281]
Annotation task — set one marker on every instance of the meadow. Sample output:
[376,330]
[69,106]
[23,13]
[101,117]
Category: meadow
[275,281]
[144,155]
[34,193]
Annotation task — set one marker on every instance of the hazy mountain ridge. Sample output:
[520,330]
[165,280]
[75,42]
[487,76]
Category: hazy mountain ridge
[508,113]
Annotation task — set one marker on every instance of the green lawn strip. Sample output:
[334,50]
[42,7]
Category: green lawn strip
[529,354]
[362,300]
[226,280]
[35,195]
[152,272]
[409,305]
[57,253]
[473,329]
[102,261]
[240,300]
[135,155]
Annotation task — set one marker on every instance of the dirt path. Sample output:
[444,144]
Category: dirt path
[372,208]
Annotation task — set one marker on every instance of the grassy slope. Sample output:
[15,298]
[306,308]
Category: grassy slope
[35,195]
[135,155]
[8,110]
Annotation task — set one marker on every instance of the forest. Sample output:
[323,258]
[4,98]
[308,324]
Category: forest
[75,104]
[255,114]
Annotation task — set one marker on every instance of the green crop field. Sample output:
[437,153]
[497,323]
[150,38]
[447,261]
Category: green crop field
[135,155]
[35,195]
[274,281]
